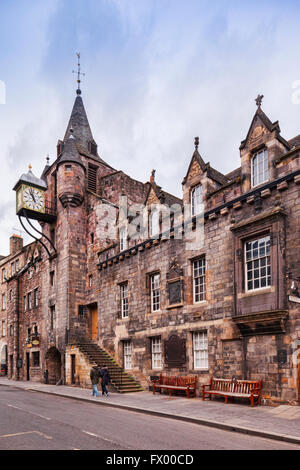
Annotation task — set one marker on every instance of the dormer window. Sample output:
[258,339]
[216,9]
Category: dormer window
[260,168]
[93,148]
[196,200]
[60,147]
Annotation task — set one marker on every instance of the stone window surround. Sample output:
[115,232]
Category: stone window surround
[269,225]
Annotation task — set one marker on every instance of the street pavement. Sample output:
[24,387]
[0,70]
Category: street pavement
[37,421]
[281,423]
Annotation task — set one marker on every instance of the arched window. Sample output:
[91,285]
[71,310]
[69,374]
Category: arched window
[196,200]
[260,168]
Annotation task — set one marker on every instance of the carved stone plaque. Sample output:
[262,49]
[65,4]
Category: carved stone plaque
[175,352]
[174,290]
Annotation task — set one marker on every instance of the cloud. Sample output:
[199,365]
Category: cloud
[158,73]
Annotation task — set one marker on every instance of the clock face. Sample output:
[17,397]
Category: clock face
[33,199]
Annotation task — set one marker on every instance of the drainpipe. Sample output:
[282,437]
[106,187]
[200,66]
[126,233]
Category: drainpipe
[18,326]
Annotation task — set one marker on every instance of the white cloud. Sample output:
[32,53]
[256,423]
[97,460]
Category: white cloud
[167,71]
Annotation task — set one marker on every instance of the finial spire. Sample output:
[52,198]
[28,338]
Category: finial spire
[196,143]
[259,100]
[47,159]
[29,167]
[79,73]
[152,177]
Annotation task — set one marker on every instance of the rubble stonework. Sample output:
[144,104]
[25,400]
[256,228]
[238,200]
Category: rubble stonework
[250,333]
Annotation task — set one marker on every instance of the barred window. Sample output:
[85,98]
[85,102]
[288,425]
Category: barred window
[199,280]
[258,263]
[260,168]
[156,352]
[155,292]
[196,200]
[124,300]
[200,346]
[127,349]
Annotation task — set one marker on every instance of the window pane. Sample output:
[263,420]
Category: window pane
[258,263]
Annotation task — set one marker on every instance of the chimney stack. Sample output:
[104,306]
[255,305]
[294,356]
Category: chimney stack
[15,244]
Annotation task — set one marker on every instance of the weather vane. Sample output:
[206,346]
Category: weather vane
[196,143]
[259,100]
[79,73]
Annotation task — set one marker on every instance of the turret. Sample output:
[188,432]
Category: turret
[70,175]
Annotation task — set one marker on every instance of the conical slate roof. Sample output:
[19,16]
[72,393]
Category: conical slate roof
[70,152]
[80,124]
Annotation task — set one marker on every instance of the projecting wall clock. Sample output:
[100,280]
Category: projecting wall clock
[31,198]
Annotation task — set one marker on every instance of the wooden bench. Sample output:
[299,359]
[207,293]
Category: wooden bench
[233,389]
[170,383]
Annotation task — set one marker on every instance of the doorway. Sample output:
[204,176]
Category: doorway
[27,366]
[73,369]
[93,315]
[53,365]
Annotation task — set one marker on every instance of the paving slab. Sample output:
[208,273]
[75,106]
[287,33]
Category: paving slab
[280,423]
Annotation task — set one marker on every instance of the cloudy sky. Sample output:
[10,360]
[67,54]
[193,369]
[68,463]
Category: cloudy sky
[158,73]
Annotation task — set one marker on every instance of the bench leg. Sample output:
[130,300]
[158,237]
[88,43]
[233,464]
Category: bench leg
[226,400]
[188,393]
[251,400]
[170,392]
[153,388]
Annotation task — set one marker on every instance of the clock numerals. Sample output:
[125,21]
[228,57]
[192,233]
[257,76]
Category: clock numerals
[33,199]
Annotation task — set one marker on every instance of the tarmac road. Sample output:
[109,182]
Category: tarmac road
[34,421]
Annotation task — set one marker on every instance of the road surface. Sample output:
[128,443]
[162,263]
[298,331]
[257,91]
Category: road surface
[34,421]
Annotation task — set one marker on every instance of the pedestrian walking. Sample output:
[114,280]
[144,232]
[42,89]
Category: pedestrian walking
[94,375]
[104,374]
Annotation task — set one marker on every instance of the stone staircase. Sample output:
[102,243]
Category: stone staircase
[119,379]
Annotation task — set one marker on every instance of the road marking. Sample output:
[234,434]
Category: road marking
[27,432]
[30,412]
[101,437]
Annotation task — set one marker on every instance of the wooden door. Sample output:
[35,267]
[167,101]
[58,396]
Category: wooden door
[94,318]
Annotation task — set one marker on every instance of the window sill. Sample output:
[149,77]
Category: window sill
[267,290]
[169,307]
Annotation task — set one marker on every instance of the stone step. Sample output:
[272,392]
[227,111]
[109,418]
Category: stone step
[121,380]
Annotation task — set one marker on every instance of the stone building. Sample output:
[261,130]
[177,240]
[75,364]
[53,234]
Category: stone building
[132,276]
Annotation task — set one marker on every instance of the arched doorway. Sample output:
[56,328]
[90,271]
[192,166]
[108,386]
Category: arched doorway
[3,360]
[53,365]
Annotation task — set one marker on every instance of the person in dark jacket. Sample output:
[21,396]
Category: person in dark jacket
[104,374]
[94,375]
